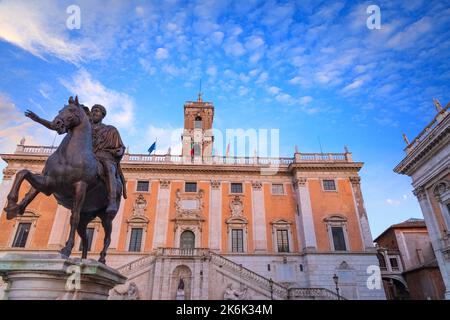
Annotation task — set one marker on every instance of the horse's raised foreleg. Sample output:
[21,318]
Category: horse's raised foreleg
[38,182]
[107,226]
[80,194]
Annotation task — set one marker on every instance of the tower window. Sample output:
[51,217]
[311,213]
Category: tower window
[198,123]
[338,238]
[282,241]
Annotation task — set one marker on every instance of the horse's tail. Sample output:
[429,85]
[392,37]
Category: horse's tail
[122,179]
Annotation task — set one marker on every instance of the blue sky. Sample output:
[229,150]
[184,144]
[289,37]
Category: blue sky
[309,68]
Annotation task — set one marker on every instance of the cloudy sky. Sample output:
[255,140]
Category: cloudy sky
[311,69]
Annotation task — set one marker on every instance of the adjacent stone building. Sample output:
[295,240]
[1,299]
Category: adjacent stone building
[408,264]
[222,226]
[427,162]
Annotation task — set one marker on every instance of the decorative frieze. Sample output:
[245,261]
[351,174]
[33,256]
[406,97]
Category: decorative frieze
[164,184]
[299,182]
[257,185]
[8,173]
[215,184]
[420,193]
[356,181]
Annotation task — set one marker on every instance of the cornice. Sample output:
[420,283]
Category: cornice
[437,138]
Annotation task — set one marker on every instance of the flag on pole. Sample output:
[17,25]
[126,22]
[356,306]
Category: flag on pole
[192,149]
[152,148]
[228,150]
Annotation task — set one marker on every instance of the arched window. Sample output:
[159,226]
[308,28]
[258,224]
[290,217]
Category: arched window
[197,150]
[198,122]
[187,240]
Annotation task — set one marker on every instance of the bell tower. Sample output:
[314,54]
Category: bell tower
[197,136]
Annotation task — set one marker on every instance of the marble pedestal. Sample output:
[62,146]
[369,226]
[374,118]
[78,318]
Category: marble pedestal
[53,276]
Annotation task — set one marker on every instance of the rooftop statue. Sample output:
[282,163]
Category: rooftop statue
[83,174]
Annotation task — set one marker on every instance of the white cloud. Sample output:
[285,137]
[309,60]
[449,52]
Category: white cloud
[167,137]
[411,34]
[14,126]
[147,66]
[274,90]
[393,202]
[254,42]
[354,85]
[39,27]
[263,77]
[211,71]
[120,106]
[306,99]
[217,37]
[233,47]
[161,54]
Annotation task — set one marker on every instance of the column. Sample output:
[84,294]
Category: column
[117,226]
[162,214]
[435,235]
[60,228]
[215,216]
[306,230]
[259,217]
[5,187]
[361,213]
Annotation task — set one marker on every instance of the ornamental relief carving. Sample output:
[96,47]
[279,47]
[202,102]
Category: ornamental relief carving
[257,185]
[189,206]
[236,207]
[356,181]
[441,188]
[299,182]
[139,206]
[164,184]
[420,193]
[215,184]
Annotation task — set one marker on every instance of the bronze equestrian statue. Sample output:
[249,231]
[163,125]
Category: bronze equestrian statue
[83,174]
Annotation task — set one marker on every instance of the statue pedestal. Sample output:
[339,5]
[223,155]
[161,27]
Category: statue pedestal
[53,276]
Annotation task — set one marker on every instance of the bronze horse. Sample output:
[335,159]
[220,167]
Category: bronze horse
[73,175]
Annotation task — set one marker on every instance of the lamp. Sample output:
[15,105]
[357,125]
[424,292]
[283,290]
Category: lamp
[336,282]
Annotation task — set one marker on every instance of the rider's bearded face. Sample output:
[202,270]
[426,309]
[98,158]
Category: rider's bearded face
[97,115]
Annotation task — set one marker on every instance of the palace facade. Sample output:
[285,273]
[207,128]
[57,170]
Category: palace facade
[427,162]
[229,227]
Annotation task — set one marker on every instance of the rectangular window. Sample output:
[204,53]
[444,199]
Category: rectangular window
[277,189]
[190,187]
[329,185]
[236,188]
[142,186]
[338,238]
[394,264]
[20,240]
[135,240]
[282,241]
[237,240]
[90,236]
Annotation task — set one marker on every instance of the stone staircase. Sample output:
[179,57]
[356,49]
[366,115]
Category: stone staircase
[266,287]
[270,287]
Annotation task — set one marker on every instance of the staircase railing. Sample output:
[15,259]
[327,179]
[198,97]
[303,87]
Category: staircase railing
[269,285]
[133,265]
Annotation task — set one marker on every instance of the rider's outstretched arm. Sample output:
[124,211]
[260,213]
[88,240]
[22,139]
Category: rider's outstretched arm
[33,116]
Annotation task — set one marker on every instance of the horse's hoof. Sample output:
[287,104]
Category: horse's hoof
[13,210]
[102,260]
[66,252]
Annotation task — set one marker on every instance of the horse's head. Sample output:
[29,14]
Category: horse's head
[70,116]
